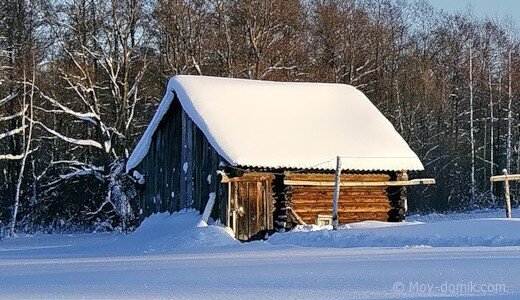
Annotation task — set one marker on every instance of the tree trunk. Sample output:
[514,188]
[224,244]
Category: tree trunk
[491,136]
[27,149]
[509,113]
[471,124]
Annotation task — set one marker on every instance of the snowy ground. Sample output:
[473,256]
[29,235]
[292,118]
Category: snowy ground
[172,257]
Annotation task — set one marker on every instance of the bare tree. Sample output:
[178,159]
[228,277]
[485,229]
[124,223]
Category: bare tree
[16,45]
[27,117]
[101,74]
[259,39]
[96,71]
[509,150]
[472,124]
[181,29]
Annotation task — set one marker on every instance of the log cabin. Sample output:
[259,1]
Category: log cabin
[260,156]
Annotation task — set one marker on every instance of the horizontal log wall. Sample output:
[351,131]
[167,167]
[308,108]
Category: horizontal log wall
[355,203]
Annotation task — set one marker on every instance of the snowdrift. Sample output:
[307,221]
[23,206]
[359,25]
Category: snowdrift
[491,232]
[186,231]
[485,213]
[167,232]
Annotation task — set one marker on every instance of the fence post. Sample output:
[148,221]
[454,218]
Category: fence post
[507,194]
[335,199]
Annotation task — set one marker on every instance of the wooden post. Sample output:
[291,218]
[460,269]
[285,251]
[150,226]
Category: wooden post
[507,194]
[335,199]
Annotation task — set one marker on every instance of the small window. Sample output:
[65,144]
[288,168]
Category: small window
[324,220]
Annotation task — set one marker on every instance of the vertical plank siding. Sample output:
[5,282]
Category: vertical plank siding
[253,203]
[177,143]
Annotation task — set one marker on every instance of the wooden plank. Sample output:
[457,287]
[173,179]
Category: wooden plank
[190,161]
[344,195]
[259,209]
[510,177]
[270,202]
[184,156]
[330,177]
[325,196]
[310,200]
[353,201]
[176,155]
[325,191]
[321,205]
[302,191]
[297,217]
[229,214]
[302,204]
[235,207]
[412,182]
[252,176]
[242,212]
[342,209]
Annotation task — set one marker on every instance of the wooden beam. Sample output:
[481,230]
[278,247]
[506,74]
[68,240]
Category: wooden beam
[297,217]
[509,177]
[225,178]
[424,181]
[252,176]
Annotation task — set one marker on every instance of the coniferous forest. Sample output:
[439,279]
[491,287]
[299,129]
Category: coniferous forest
[80,80]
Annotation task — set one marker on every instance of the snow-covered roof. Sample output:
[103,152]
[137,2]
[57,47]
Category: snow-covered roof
[286,125]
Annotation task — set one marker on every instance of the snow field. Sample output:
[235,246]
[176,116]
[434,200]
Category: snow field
[178,256]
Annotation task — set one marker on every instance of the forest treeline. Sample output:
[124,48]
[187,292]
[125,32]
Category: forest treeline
[80,80]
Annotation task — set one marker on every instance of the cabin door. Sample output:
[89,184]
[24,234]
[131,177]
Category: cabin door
[250,208]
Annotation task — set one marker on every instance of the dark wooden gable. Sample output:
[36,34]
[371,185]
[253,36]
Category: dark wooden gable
[180,168]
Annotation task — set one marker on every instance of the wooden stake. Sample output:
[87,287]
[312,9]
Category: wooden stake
[507,194]
[336,194]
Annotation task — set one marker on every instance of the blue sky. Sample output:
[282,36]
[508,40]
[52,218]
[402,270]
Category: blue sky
[483,8]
